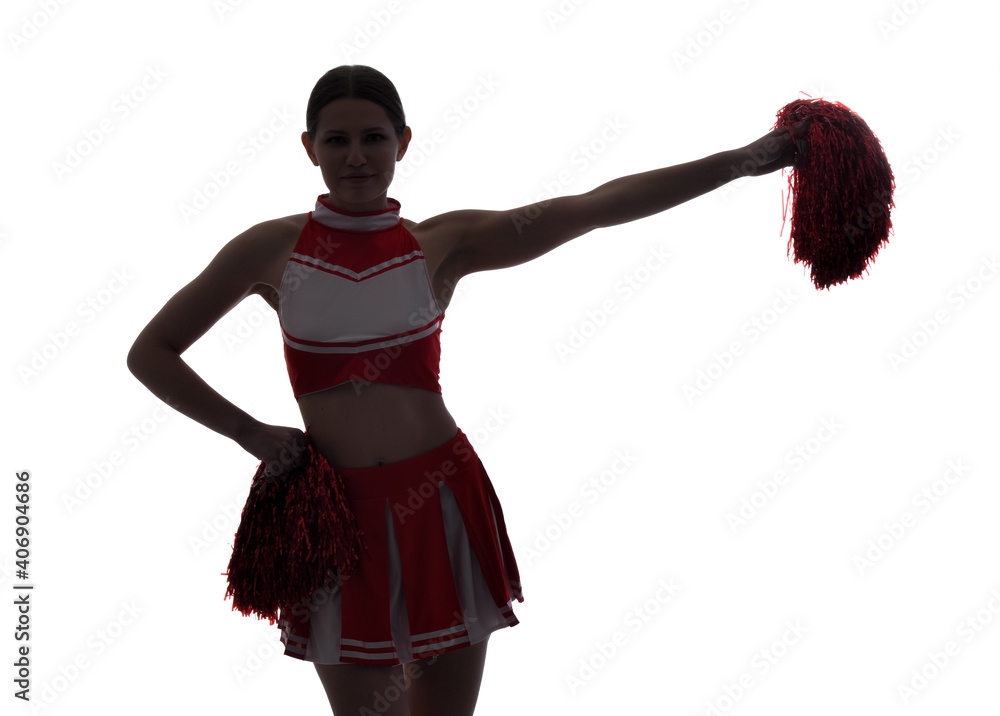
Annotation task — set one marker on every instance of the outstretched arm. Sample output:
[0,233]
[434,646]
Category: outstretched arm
[488,240]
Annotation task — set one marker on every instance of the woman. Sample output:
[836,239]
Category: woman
[361,295]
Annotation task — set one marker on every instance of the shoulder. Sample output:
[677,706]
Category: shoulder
[450,221]
[260,253]
[445,231]
[439,238]
[486,240]
[267,240]
[455,239]
[277,230]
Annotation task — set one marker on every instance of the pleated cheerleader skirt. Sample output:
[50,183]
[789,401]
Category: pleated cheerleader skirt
[436,571]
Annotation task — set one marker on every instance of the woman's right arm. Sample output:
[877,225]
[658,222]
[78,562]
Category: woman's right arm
[155,358]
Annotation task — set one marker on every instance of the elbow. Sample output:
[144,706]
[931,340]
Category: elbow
[134,360]
[140,357]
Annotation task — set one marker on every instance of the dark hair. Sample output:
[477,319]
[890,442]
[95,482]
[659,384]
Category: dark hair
[360,82]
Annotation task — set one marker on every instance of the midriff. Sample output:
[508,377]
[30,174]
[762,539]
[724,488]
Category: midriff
[367,424]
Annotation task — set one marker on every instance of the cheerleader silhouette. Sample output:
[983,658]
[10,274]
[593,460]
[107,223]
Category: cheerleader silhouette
[361,295]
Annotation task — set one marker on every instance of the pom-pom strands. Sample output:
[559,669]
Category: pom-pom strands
[841,188]
[294,532]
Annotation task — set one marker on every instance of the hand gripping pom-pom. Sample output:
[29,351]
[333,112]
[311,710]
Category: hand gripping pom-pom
[841,188]
[294,532]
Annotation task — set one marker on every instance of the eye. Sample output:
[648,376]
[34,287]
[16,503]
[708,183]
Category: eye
[376,137]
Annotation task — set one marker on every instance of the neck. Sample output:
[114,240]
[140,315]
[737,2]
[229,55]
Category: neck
[370,220]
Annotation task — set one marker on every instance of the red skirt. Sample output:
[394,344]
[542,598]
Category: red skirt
[436,572]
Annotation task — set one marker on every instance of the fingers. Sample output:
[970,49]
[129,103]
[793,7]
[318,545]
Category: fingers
[800,128]
[770,153]
[800,131]
[290,453]
[779,148]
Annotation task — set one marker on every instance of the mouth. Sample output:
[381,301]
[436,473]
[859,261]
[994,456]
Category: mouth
[358,177]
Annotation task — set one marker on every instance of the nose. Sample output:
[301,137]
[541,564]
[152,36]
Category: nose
[356,157]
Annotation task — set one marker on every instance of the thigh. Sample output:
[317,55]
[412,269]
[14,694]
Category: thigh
[446,684]
[364,688]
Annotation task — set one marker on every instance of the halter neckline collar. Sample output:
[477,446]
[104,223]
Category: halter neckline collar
[329,215]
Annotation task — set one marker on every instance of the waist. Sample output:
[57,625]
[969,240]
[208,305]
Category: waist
[365,425]
[448,462]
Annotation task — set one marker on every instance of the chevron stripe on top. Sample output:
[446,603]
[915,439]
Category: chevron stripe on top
[356,288]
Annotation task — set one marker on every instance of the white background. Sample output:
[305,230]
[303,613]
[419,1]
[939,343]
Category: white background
[550,77]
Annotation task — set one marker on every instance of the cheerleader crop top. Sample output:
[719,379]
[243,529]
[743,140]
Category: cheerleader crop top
[356,303]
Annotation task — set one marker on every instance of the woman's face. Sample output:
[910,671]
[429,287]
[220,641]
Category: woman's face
[355,137]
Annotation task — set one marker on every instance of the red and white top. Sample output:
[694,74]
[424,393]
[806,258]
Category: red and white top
[356,303]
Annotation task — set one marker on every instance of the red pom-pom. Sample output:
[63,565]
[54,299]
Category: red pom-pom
[294,532]
[841,187]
